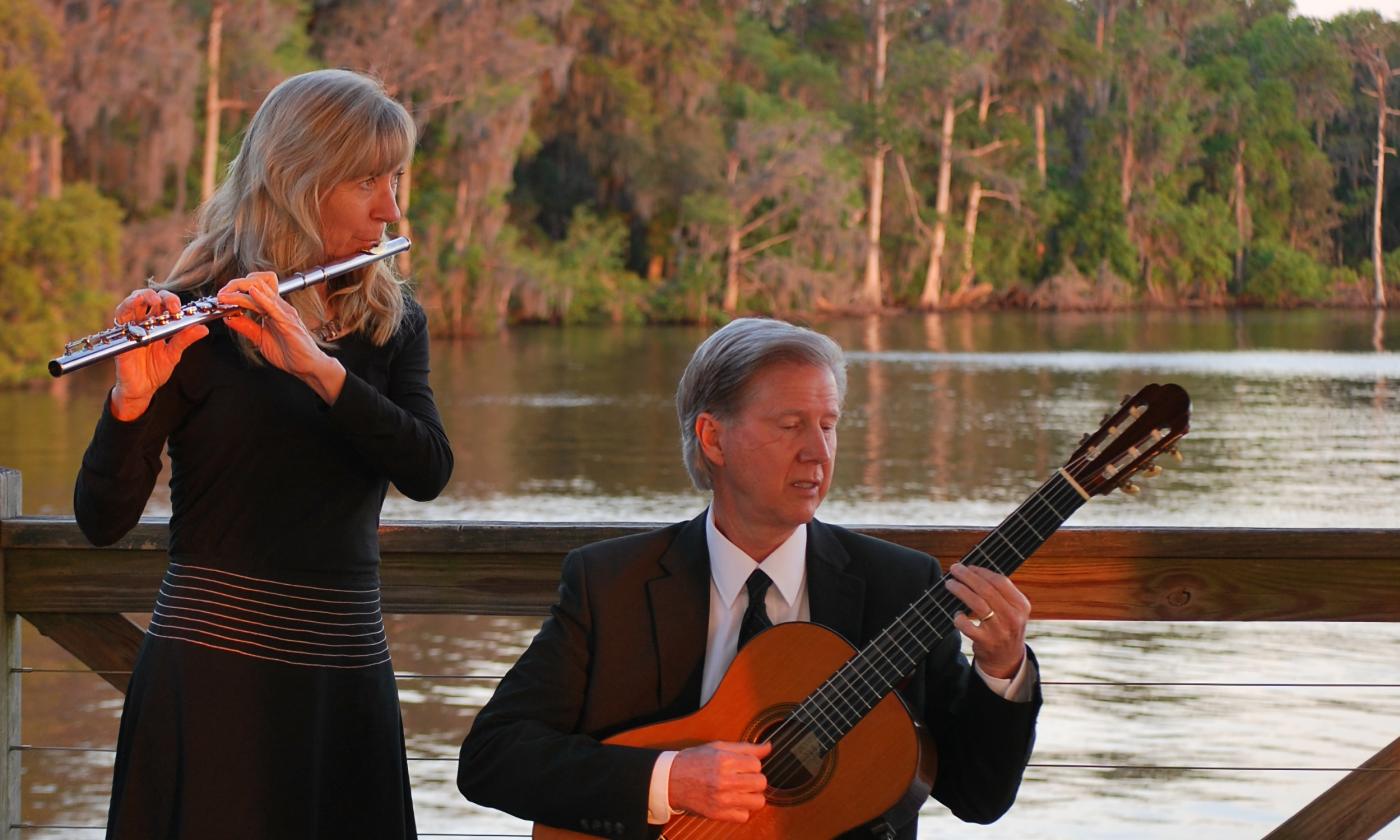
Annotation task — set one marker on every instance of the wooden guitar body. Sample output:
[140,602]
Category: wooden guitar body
[885,763]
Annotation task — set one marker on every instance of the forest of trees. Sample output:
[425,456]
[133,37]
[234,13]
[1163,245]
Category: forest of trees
[686,160]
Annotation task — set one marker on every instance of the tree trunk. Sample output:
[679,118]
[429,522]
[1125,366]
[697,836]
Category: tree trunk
[1125,175]
[1040,164]
[461,221]
[54,184]
[731,272]
[733,242]
[1377,252]
[405,229]
[211,102]
[1241,216]
[974,203]
[974,200]
[870,289]
[932,296]
[34,163]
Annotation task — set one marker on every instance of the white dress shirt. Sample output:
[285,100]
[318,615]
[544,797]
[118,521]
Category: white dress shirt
[786,600]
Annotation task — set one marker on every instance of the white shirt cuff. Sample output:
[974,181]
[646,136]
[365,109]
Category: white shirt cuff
[1018,688]
[659,795]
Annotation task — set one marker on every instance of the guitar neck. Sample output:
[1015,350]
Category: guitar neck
[843,700]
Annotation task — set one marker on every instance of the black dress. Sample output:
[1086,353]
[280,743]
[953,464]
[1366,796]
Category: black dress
[263,702]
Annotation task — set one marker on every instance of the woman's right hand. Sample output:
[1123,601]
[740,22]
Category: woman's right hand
[142,371]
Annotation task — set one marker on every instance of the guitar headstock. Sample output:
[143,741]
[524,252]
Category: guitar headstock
[1145,425]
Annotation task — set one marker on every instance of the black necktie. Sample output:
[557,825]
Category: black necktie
[756,616]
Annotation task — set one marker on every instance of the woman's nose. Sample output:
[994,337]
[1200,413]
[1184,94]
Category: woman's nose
[386,204]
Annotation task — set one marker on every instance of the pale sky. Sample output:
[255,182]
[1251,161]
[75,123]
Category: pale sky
[1389,9]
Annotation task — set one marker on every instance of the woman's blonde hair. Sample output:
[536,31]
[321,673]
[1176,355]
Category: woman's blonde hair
[312,132]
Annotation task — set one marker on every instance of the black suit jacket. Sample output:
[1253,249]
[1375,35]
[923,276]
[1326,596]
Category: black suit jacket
[625,646]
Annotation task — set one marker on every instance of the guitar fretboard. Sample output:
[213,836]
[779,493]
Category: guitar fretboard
[848,695]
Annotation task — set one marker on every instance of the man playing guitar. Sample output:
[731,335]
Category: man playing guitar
[646,626]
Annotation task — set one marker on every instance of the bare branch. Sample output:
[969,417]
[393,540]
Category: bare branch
[911,198]
[983,151]
[764,219]
[745,253]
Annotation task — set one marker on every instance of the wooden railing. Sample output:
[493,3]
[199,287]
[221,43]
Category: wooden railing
[76,595]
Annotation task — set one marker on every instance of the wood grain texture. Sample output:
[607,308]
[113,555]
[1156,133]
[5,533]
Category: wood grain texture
[10,766]
[1358,806]
[1109,574]
[101,641]
[865,776]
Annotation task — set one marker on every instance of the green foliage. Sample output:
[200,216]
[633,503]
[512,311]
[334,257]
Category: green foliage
[1195,243]
[1276,273]
[569,151]
[27,45]
[1092,228]
[56,265]
[584,276]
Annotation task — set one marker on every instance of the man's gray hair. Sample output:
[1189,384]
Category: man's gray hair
[718,375]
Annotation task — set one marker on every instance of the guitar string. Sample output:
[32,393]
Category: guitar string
[694,829]
[883,648]
[1070,497]
[783,741]
[708,828]
[881,658]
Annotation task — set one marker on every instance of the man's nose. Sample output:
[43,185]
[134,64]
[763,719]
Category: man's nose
[818,445]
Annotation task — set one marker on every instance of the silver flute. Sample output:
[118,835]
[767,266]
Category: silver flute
[123,337]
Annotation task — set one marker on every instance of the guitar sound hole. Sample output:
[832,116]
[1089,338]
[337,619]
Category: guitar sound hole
[796,769]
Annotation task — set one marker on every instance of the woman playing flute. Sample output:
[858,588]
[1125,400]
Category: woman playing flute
[263,702]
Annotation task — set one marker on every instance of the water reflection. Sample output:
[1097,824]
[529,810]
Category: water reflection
[950,419]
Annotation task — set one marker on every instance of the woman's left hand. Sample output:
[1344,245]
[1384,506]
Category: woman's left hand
[275,328]
[996,621]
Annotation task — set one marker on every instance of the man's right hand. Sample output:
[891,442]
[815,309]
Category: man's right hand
[721,780]
[142,371]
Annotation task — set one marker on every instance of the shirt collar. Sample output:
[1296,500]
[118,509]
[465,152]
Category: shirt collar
[730,567]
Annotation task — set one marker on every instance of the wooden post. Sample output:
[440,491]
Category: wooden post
[9,692]
[1366,800]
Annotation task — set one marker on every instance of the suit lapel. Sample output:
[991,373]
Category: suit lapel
[680,616]
[835,595]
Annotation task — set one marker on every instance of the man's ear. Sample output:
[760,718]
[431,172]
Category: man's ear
[707,432]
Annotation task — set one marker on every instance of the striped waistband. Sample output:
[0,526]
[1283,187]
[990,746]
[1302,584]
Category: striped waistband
[270,619]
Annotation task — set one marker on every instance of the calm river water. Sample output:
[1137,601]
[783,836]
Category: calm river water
[951,420]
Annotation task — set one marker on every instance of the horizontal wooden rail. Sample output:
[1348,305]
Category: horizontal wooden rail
[1111,574]
[75,593]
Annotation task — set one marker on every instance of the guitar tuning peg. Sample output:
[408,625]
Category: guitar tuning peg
[1176,453]
[1152,470]
[1104,418]
[1084,438]
[1131,489]
[1126,398]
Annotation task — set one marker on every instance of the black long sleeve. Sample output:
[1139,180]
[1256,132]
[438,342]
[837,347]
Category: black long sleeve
[262,470]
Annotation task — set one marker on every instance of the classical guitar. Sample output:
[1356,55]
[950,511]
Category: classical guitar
[845,749]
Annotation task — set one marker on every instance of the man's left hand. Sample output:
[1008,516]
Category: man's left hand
[995,620]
